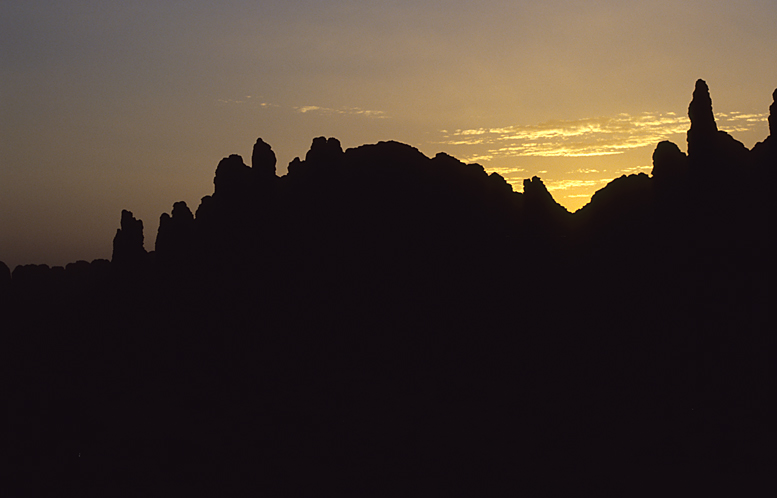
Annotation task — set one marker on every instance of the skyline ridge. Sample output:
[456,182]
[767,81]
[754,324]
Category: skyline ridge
[703,116]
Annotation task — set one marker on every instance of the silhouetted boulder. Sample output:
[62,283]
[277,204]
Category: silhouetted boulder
[128,243]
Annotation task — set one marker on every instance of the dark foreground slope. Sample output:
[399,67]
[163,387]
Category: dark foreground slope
[379,323]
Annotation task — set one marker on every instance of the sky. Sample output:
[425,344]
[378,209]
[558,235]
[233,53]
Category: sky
[107,106]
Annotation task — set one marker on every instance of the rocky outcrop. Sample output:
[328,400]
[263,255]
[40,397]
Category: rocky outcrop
[669,163]
[321,161]
[128,243]
[324,150]
[765,153]
[175,238]
[700,113]
[711,152]
[233,178]
[5,278]
[544,218]
[263,160]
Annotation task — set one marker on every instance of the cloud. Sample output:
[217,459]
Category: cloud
[635,170]
[599,136]
[567,184]
[246,100]
[357,111]
[503,170]
[310,108]
[477,157]
[231,101]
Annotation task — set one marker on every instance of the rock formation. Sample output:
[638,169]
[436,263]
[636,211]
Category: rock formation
[176,235]
[263,160]
[669,163]
[5,278]
[710,149]
[128,243]
[773,114]
[765,153]
[324,151]
[377,321]
[233,179]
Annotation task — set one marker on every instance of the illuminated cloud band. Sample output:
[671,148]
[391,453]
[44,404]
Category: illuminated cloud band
[586,137]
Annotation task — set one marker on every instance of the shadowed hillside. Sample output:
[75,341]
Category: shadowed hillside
[381,323]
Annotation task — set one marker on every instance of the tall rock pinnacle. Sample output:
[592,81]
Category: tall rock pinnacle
[703,127]
[263,159]
[709,149]
[700,109]
[773,114]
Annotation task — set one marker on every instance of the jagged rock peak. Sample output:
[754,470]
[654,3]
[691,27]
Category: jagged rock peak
[535,192]
[700,109]
[773,114]
[534,185]
[128,242]
[263,158]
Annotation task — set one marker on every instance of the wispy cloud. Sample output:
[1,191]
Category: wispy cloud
[342,110]
[477,158]
[355,111]
[568,184]
[636,170]
[605,135]
[248,99]
[310,108]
